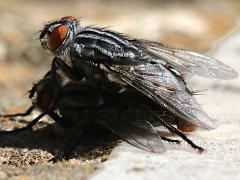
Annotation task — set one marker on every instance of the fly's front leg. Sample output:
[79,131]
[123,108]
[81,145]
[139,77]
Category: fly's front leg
[26,113]
[62,122]
[13,117]
[80,70]
[28,127]
[88,62]
[58,63]
[34,121]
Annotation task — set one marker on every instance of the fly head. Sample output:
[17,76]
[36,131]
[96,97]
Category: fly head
[56,35]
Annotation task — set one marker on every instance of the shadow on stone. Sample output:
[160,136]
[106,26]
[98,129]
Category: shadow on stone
[49,140]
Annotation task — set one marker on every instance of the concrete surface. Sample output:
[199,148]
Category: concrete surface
[221,160]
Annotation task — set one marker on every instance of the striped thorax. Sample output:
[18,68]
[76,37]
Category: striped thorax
[67,39]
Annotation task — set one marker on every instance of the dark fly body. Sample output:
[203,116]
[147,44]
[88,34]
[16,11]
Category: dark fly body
[81,106]
[154,69]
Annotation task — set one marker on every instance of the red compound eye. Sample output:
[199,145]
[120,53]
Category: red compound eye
[45,97]
[57,36]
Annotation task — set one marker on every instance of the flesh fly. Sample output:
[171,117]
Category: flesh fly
[154,69]
[82,105]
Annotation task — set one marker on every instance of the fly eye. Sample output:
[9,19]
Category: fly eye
[57,37]
[45,96]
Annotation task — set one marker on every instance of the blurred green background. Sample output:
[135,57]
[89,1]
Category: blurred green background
[192,24]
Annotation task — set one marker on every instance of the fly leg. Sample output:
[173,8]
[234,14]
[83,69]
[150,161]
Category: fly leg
[72,142]
[60,120]
[52,114]
[170,140]
[86,70]
[34,121]
[28,127]
[58,63]
[79,134]
[26,113]
[176,131]
[183,136]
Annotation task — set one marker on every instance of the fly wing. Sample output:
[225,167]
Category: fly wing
[159,84]
[136,131]
[186,62]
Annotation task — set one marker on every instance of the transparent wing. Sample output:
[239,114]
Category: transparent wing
[135,131]
[186,62]
[159,84]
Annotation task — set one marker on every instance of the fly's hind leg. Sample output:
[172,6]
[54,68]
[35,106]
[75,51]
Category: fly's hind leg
[170,140]
[175,131]
[183,136]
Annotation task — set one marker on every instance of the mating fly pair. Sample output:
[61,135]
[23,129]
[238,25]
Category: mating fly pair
[153,70]
[84,106]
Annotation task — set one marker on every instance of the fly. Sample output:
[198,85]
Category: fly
[81,106]
[154,69]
